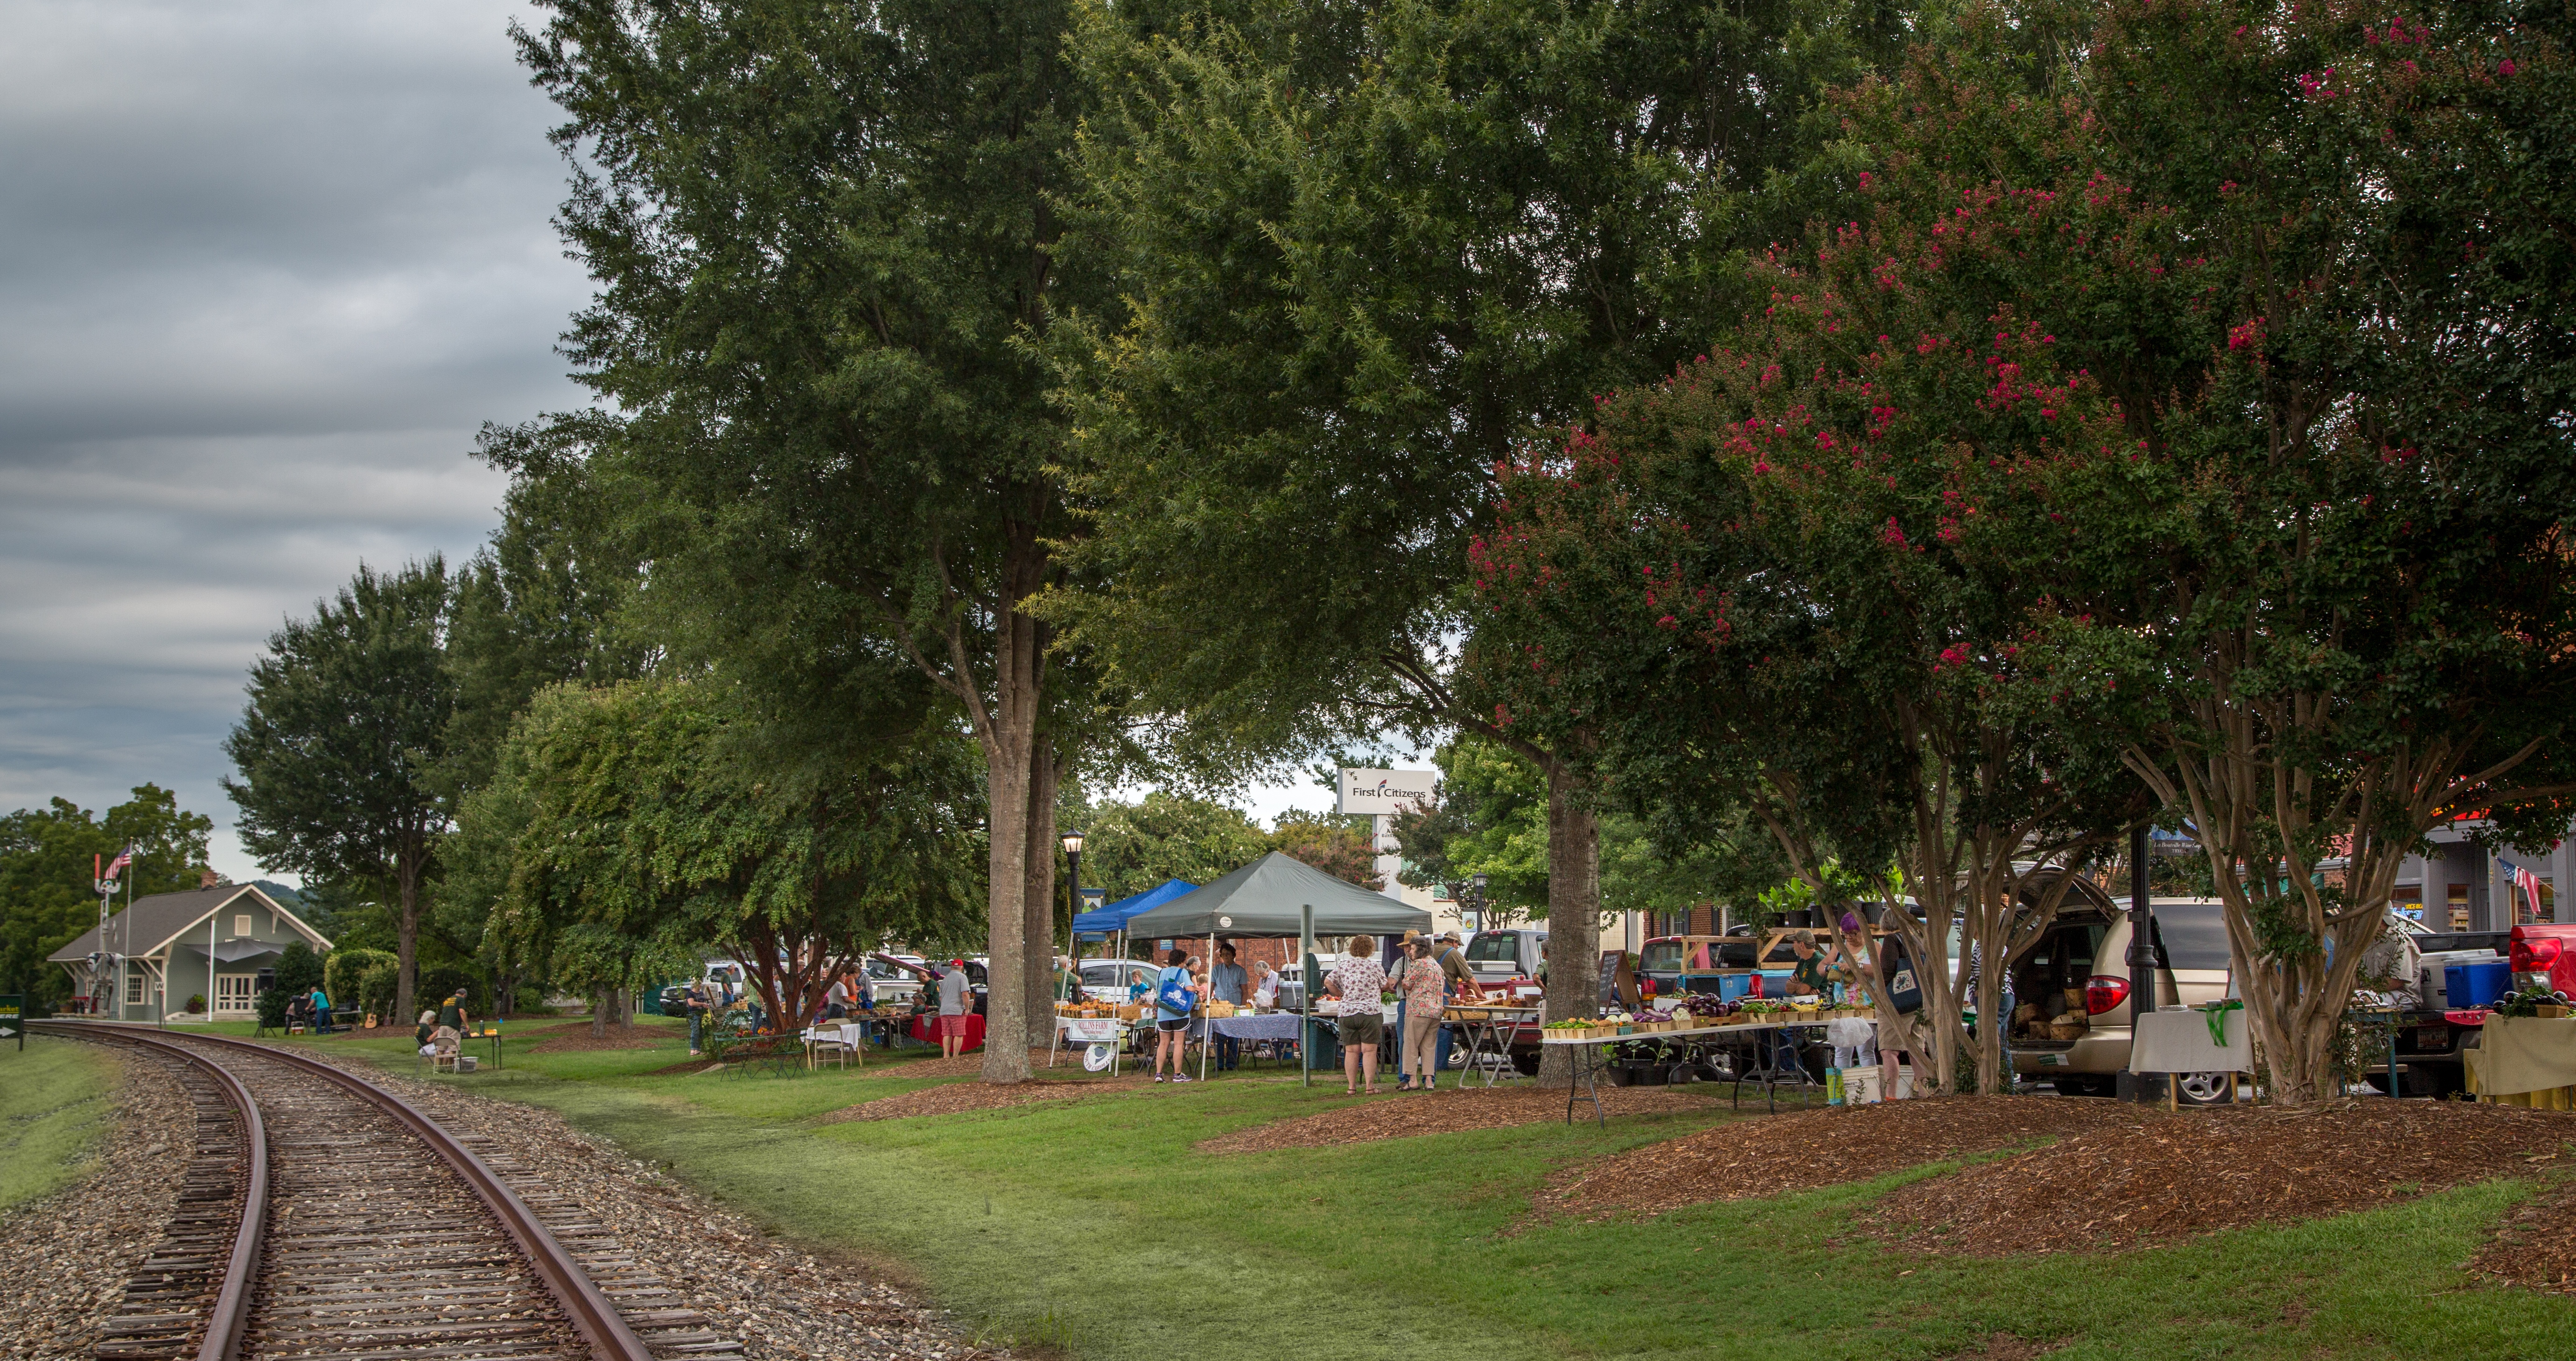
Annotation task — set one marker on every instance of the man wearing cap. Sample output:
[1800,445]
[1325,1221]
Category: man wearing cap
[1462,985]
[956,1000]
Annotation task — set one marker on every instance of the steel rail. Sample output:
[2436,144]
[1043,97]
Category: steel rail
[590,1310]
[231,1314]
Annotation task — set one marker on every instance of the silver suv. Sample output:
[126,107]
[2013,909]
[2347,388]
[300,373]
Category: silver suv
[2070,990]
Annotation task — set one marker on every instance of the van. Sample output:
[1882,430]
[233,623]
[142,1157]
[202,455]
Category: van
[2070,1020]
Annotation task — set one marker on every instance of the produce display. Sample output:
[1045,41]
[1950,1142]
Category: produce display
[2534,1001]
[1703,1013]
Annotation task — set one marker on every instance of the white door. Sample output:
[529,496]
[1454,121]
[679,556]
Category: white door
[232,993]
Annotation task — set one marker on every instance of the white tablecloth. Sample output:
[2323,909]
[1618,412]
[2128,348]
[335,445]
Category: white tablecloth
[2178,1042]
[1276,1026]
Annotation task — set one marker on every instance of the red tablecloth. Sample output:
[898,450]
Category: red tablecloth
[923,1029]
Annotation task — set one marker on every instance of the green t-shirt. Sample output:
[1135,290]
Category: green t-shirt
[451,1015]
[1811,971]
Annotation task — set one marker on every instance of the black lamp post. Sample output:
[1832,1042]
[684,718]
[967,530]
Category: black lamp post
[1476,894]
[1073,859]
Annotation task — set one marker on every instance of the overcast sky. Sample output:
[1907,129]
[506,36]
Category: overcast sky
[264,268]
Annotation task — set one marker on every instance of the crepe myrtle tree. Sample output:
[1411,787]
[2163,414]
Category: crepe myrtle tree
[2335,611]
[1719,577]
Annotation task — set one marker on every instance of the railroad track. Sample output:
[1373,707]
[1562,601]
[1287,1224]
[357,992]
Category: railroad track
[321,1216]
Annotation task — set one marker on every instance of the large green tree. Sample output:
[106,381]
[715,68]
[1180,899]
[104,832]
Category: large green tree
[647,822]
[824,239]
[340,750]
[49,860]
[1368,250]
[1132,847]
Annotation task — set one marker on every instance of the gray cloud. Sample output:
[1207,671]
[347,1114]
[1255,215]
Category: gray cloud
[264,267]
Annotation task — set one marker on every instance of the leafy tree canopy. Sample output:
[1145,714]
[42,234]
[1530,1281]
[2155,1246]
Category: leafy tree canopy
[1131,847]
[48,865]
[340,750]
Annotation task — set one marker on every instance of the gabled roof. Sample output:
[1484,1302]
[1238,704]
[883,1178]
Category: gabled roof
[1265,898]
[155,921]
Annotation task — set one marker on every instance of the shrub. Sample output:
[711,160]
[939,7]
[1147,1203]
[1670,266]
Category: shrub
[345,976]
[298,969]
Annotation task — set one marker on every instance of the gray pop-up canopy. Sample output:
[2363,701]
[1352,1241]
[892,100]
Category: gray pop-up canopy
[1263,898]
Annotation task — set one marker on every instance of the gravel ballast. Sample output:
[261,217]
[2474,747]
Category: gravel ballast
[780,1300]
[71,1252]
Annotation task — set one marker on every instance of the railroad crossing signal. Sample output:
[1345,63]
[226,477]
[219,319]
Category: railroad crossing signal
[13,1019]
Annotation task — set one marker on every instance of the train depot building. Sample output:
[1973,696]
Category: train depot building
[215,942]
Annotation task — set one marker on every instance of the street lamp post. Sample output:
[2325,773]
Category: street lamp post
[1476,895]
[1073,861]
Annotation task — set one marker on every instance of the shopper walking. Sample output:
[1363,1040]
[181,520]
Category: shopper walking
[1173,983]
[1226,982]
[1361,986]
[956,1003]
[1418,984]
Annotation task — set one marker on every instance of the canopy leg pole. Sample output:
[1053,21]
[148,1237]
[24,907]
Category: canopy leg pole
[1308,986]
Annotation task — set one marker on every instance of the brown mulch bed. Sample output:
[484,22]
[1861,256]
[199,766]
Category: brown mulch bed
[949,1098]
[1405,1115]
[2536,1248]
[577,1039]
[1793,1152]
[2137,1181]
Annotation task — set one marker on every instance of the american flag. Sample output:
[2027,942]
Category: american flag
[2529,883]
[123,858]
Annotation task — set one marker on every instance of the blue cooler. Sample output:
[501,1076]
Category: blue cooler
[1733,986]
[2477,984]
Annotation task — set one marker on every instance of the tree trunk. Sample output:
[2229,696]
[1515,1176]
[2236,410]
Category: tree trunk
[1038,925]
[1573,917]
[406,932]
[1009,750]
[1992,1079]
[599,1012]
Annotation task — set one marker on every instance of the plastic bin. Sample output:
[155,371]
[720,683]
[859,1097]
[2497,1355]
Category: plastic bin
[2477,984]
[1732,986]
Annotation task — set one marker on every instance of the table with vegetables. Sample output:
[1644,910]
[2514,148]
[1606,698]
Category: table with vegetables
[1696,1022]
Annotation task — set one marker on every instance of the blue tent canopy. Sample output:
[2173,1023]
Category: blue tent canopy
[1113,917]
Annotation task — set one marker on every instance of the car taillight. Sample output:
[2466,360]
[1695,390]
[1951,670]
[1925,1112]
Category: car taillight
[1646,987]
[2534,955]
[2103,992]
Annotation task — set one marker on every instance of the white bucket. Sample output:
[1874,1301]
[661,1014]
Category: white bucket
[1861,1086]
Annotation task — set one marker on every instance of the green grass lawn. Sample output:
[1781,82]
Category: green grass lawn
[1093,1227]
[54,1102]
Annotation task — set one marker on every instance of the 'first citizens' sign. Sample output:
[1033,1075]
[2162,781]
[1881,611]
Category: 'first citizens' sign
[1386,791]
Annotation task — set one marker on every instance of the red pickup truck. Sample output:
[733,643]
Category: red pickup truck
[2545,948]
